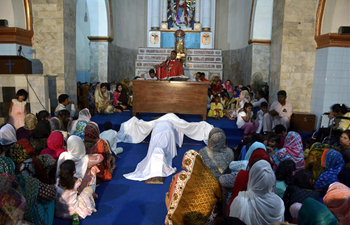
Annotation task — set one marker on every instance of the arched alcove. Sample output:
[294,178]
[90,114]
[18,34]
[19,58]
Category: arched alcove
[14,12]
[261,20]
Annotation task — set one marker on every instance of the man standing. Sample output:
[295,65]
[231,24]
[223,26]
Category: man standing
[170,68]
[280,113]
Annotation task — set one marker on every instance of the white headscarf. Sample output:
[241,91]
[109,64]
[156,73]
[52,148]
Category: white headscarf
[84,115]
[7,135]
[259,205]
[77,153]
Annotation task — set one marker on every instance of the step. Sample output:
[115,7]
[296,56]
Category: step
[192,65]
[204,59]
[191,52]
[152,58]
[155,51]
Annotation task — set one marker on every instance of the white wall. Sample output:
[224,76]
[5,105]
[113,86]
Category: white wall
[83,30]
[261,26]
[98,15]
[130,23]
[232,25]
[336,14]
[14,12]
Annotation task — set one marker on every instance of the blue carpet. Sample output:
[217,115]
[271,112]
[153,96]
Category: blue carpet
[125,202]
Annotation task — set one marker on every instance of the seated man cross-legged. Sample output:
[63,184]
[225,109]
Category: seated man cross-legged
[280,112]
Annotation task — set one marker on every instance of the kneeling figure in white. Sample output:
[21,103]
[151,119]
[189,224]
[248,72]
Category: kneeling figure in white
[161,151]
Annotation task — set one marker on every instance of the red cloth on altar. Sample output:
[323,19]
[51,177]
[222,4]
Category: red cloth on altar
[171,68]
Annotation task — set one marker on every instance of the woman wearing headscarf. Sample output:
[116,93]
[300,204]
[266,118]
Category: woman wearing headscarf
[85,165]
[7,137]
[217,156]
[259,205]
[78,126]
[43,168]
[21,151]
[315,213]
[102,99]
[333,163]
[120,98]
[228,87]
[95,145]
[241,181]
[292,149]
[30,122]
[55,145]
[337,200]
[34,201]
[39,139]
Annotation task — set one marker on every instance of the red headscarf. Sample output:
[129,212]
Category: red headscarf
[55,144]
[241,181]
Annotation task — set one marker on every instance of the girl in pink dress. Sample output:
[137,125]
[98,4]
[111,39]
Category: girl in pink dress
[18,109]
[70,200]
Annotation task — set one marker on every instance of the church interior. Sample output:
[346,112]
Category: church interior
[77,47]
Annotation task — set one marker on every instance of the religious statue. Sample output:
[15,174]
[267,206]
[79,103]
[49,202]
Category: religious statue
[182,12]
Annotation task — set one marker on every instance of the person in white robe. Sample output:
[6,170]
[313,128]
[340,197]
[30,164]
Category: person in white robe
[168,131]
[280,112]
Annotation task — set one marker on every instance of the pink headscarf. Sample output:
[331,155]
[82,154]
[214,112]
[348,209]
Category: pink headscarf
[337,200]
[55,144]
[228,87]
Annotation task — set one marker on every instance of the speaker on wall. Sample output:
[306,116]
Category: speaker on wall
[4,23]
[344,30]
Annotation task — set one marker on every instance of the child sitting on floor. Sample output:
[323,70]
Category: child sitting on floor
[245,120]
[110,135]
[69,201]
[272,143]
[216,108]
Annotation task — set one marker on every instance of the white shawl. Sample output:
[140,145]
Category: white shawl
[84,115]
[135,130]
[259,205]
[77,153]
[7,135]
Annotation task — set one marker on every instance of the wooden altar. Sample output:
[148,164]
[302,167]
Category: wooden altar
[182,97]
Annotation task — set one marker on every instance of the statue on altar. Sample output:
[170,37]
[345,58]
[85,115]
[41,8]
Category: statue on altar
[182,12]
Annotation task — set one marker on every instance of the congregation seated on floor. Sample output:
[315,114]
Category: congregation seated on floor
[269,177]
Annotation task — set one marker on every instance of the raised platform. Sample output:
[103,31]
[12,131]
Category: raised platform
[208,61]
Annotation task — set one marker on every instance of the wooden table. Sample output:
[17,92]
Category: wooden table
[183,97]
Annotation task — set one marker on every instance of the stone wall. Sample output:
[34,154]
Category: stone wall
[69,14]
[240,65]
[121,63]
[54,42]
[260,63]
[99,61]
[237,65]
[293,51]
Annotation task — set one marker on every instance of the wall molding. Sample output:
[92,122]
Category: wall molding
[28,12]
[259,42]
[250,20]
[15,35]
[333,40]
[319,17]
[100,38]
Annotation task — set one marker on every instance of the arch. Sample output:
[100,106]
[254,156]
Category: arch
[100,18]
[28,12]
[260,26]
[329,17]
